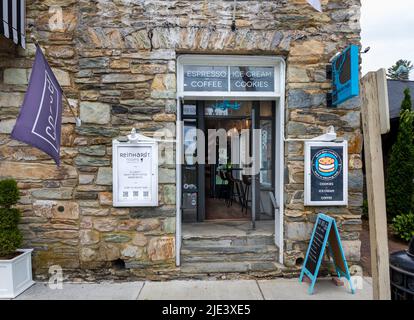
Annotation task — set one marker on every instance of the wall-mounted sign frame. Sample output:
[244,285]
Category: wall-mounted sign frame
[135,173]
[326,173]
[345,75]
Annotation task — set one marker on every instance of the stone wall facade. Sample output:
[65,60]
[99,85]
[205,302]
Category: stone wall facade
[116,61]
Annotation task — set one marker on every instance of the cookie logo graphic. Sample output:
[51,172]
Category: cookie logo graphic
[326,164]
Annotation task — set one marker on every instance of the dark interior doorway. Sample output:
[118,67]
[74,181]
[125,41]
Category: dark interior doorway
[227,196]
[221,191]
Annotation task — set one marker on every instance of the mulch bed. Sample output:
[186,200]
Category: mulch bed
[394,244]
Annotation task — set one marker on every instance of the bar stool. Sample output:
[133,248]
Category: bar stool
[234,189]
[247,180]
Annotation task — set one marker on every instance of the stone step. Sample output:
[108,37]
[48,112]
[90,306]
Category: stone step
[230,267]
[231,253]
[271,256]
[189,250]
[228,241]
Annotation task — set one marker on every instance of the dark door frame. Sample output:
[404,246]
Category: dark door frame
[256,177]
[201,172]
[255,118]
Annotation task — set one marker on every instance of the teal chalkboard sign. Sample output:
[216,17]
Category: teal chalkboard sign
[325,233]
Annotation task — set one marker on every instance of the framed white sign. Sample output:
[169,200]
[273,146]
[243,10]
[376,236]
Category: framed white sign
[135,174]
[326,173]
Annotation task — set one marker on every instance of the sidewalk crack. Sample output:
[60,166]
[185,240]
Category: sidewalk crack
[139,293]
[260,289]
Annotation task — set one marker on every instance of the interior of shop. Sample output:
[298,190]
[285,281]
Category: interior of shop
[222,189]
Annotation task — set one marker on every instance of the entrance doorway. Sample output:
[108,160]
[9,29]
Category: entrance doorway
[251,91]
[221,187]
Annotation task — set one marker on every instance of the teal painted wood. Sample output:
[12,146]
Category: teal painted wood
[345,74]
[313,277]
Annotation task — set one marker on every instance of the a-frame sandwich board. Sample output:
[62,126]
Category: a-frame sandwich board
[325,233]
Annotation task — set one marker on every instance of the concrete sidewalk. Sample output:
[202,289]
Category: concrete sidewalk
[277,289]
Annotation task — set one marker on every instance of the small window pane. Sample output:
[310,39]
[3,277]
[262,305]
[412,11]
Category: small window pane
[206,78]
[250,78]
[266,109]
[225,108]
[189,108]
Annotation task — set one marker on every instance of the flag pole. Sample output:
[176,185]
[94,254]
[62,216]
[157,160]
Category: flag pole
[77,119]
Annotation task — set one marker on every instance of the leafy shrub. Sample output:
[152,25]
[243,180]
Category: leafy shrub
[403,226]
[365,209]
[406,103]
[400,172]
[10,236]
[9,193]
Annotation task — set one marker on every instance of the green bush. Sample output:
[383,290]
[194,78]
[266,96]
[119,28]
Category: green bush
[403,226]
[9,193]
[406,103]
[10,240]
[10,236]
[365,208]
[400,172]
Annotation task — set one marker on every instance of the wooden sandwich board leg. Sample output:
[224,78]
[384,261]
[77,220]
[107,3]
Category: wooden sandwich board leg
[338,257]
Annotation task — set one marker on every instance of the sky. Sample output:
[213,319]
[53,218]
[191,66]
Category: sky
[388,28]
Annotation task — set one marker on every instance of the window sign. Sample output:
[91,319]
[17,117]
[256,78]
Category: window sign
[252,79]
[135,174]
[205,78]
[326,173]
[229,78]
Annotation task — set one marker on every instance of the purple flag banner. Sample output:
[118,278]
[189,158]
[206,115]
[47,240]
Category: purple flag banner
[40,118]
